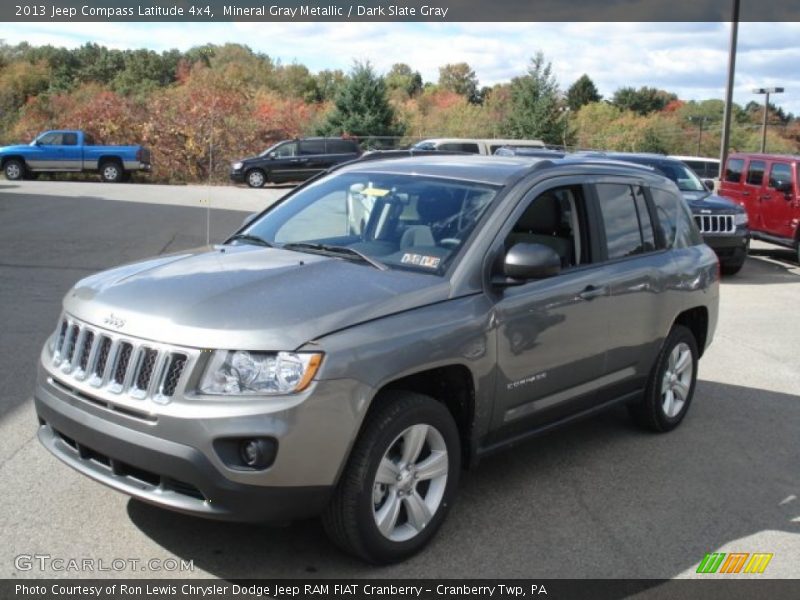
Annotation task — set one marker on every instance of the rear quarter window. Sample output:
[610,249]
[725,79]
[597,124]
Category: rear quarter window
[733,171]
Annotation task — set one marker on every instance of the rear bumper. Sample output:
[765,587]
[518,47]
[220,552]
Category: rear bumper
[135,165]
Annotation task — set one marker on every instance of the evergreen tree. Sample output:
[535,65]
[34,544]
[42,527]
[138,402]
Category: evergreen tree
[534,105]
[643,101]
[361,107]
[582,92]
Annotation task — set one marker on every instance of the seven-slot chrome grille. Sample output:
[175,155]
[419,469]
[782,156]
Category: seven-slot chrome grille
[715,223]
[116,363]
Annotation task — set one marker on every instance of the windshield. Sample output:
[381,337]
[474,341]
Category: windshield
[400,221]
[683,176]
[270,149]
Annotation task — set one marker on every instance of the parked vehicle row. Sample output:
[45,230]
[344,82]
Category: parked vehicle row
[72,151]
[306,367]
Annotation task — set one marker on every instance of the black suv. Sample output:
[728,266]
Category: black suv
[293,160]
[722,221]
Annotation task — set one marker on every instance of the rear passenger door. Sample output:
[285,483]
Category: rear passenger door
[312,158]
[633,266]
[777,207]
[339,151]
[753,192]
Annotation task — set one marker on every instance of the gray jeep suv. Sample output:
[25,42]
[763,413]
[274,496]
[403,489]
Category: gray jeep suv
[353,347]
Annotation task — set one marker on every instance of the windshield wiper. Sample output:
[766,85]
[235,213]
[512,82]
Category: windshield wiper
[336,250]
[253,239]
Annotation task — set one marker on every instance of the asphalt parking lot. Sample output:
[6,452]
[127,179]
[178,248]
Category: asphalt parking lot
[597,499]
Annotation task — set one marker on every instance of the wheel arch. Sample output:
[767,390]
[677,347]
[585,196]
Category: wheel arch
[695,320]
[105,158]
[18,157]
[452,385]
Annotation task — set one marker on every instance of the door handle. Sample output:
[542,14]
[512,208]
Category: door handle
[745,193]
[591,292]
[765,197]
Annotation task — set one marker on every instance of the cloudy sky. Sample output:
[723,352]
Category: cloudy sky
[689,59]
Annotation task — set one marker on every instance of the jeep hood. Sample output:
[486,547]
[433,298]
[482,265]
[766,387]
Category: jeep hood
[246,297]
[705,200]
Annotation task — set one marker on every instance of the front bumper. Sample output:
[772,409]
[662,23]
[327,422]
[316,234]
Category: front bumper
[237,175]
[172,462]
[733,245]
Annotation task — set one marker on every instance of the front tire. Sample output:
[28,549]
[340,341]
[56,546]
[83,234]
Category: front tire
[14,169]
[399,482]
[256,178]
[670,387]
[111,172]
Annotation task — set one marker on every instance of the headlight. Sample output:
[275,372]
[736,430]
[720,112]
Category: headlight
[740,218]
[236,166]
[259,373]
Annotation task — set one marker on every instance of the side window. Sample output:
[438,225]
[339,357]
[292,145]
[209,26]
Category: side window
[624,235]
[460,147]
[341,147]
[755,172]
[51,139]
[733,171]
[312,147]
[286,150]
[779,172]
[70,139]
[555,218]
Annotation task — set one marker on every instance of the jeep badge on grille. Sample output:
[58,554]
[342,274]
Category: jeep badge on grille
[114,321]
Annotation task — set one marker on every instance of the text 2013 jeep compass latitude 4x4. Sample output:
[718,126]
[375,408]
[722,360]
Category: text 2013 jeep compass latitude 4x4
[317,363]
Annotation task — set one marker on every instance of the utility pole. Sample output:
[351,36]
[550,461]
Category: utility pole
[726,118]
[766,92]
[701,121]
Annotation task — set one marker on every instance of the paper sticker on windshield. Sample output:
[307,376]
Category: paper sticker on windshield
[430,262]
[371,191]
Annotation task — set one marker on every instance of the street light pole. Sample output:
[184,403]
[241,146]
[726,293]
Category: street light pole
[766,92]
[726,117]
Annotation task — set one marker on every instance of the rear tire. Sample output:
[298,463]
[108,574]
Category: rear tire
[111,171]
[670,387]
[14,169]
[400,479]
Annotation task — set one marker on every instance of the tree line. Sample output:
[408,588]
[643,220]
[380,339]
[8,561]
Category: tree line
[200,109]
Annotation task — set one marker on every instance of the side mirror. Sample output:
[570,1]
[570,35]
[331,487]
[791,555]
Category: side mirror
[524,262]
[249,219]
[709,184]
[782,186]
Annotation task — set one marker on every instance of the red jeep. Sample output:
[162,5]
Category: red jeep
[768,186]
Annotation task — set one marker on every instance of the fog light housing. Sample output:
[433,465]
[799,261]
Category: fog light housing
[247,454]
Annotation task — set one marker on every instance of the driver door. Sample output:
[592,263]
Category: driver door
[551,333]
